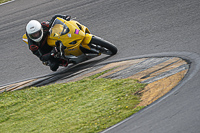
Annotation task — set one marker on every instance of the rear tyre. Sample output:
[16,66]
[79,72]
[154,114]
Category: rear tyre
[103,46]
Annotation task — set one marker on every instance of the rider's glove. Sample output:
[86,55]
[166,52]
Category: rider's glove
[67,17]
[54,52]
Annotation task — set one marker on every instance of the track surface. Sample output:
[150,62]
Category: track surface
[136,28]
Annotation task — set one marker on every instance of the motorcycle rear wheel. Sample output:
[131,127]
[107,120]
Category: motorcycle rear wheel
[104,46]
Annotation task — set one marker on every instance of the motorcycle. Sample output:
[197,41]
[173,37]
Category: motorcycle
[74,41]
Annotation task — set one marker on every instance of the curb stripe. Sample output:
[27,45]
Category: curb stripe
[165,68]
[166,74]
[141,66]
[155,70]
[121,65]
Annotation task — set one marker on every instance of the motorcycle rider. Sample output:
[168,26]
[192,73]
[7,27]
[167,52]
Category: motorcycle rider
[37,34]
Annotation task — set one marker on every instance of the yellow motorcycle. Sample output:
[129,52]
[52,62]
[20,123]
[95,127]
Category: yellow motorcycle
[74,41]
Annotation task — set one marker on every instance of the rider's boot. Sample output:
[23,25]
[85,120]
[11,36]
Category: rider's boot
[54,64]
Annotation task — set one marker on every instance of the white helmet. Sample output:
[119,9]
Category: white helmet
[34,30]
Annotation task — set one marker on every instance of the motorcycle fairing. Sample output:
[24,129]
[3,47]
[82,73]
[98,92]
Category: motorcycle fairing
[71,33]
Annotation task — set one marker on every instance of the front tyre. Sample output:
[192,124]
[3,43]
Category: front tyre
[103,46]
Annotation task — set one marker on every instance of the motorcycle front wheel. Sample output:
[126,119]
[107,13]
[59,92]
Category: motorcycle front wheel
[103,46]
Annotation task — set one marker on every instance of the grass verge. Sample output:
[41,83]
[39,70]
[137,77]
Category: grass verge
[3,1]
[88,105]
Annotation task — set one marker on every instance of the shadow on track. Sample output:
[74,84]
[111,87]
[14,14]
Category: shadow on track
[70,71]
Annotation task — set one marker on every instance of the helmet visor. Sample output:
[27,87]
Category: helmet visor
[36,35]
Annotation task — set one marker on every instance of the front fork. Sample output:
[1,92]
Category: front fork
[61,50]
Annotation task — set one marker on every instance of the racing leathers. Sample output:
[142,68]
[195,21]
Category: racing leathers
[42,50]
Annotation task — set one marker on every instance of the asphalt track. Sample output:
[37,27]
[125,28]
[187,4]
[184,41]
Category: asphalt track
[137,28]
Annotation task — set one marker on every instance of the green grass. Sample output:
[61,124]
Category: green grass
[88,105]
[3,1]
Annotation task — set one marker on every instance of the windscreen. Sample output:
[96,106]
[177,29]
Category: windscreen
[58,28]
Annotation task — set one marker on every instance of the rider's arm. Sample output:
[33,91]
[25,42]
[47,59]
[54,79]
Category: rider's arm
[44,57]
[36,51]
